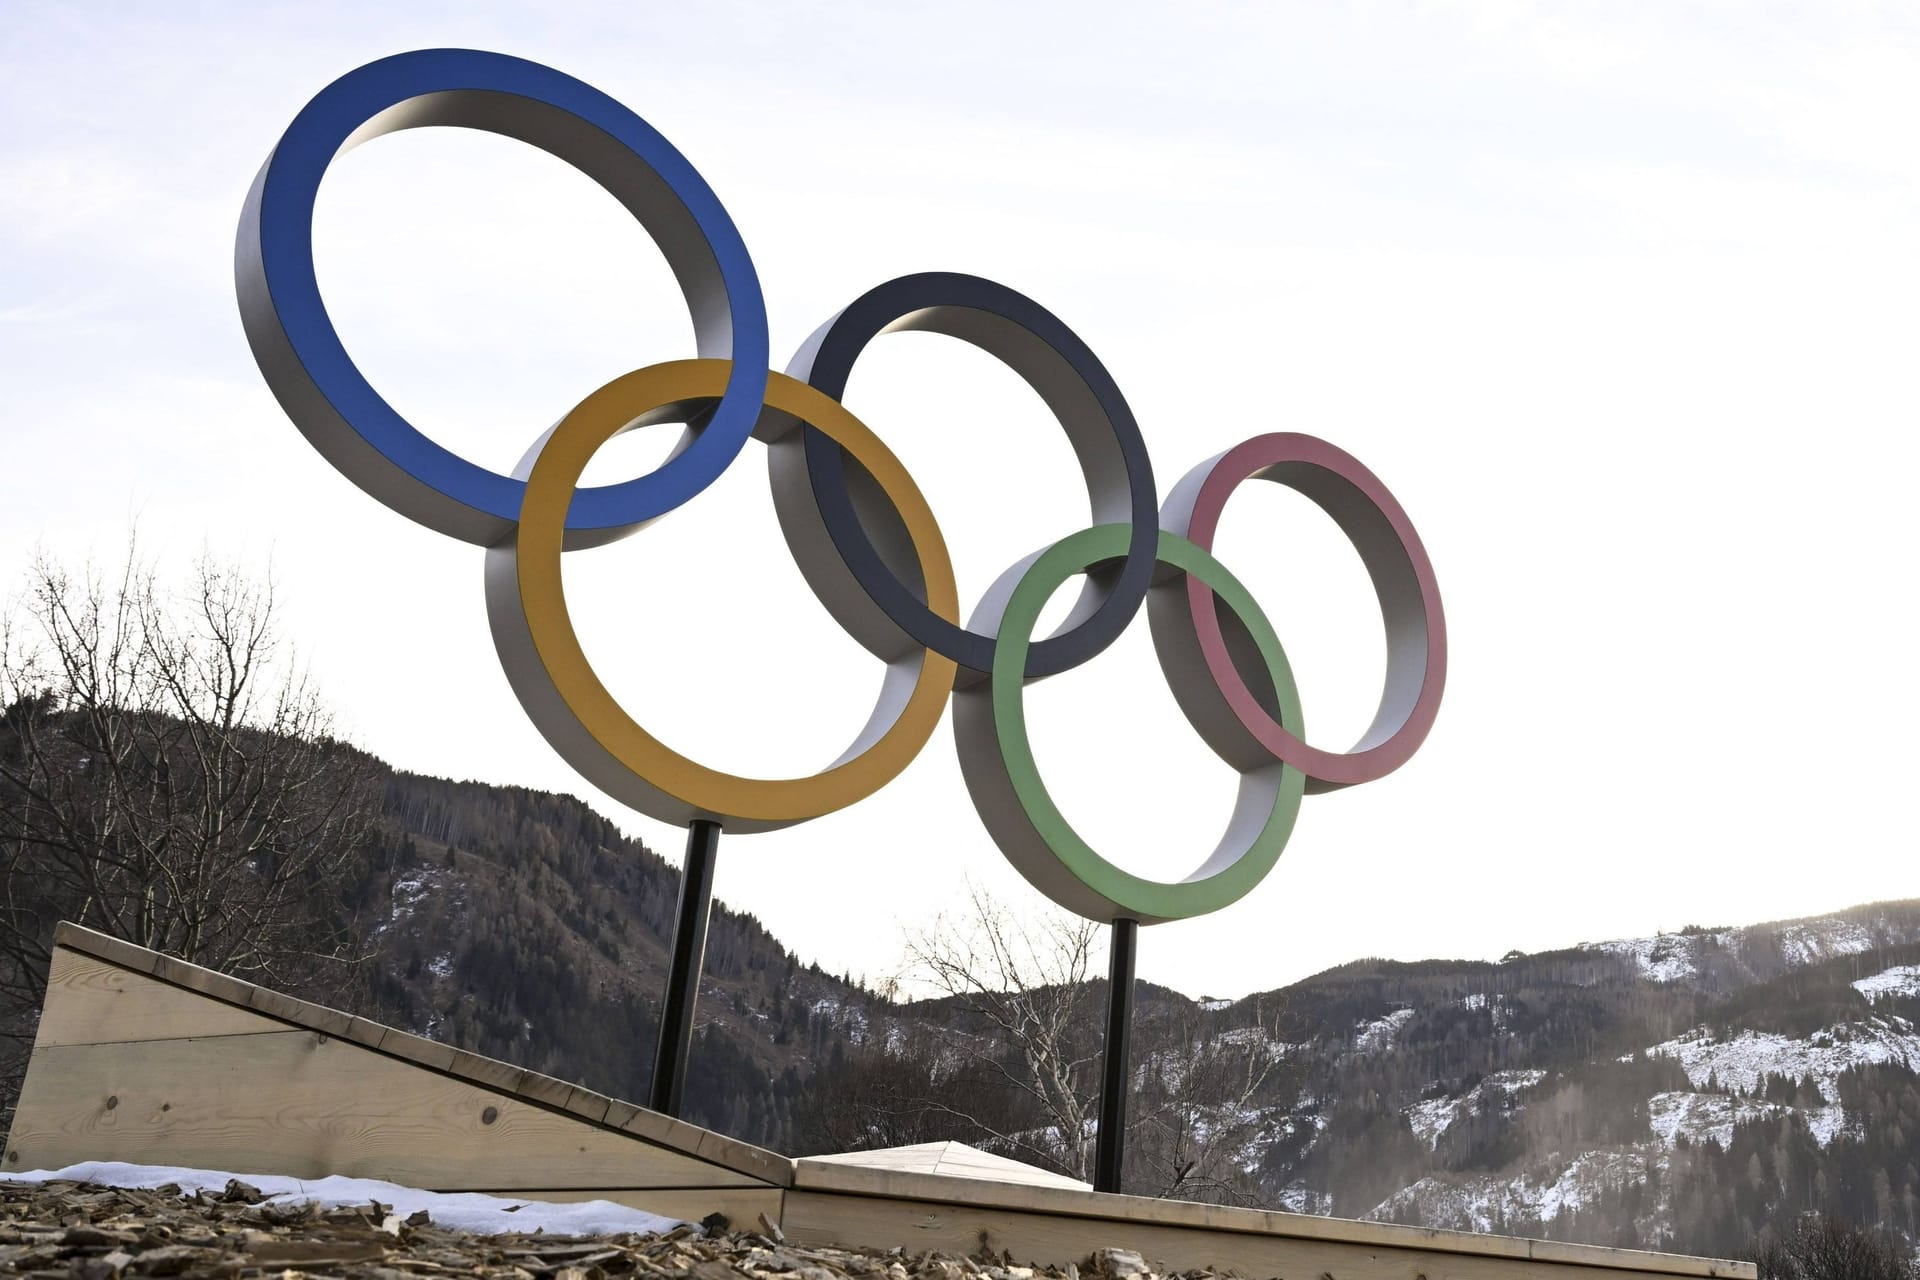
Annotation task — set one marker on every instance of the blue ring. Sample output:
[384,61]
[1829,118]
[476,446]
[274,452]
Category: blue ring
[330,399]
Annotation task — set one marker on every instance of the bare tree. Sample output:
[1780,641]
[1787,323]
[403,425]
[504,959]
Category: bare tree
[1196,1119]
[1818,1246]
[1030,1005]
[1028,987]
[168,775]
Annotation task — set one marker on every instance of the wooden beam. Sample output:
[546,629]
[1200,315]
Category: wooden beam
[1053,1239]
[833,1176]
[93,1002]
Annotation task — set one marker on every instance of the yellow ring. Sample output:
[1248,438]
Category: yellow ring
[658,780]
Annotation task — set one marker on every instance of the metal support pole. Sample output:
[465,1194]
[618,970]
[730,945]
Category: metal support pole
[1110,1142]
[683,970]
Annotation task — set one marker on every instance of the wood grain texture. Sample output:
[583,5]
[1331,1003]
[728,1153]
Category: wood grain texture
[92,1002]
[205,981]
[819,1218]
[890,1184]
[740,1157]
[306,1105]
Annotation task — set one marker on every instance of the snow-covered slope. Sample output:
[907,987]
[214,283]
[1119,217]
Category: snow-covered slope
[1432,1118]
[1744,1061]
[1754,953]
[1710,1117]
[1504,1202]
[1900,981]
[1669,957]
[1618,1089]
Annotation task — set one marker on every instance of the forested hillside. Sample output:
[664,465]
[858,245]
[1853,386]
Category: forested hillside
[1674,1092]
[1678,1092]
[524,926]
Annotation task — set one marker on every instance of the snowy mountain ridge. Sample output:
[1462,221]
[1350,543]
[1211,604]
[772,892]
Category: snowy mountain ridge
[1676,1091]
[1776,945]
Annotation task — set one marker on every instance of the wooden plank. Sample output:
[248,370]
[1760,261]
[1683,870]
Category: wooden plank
[102,947]
[952,1159]
[92,1002]
[300,1013]
[961,1161]
[489,1073]
[305,1104]
[748,1159]
[205,981]
[741,1206]
[820,1218]
[367,1032]
[660,1130]
[588,1104]
[544,1089]
[833,1176]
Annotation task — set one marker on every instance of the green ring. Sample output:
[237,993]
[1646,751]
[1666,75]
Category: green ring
[1135,897]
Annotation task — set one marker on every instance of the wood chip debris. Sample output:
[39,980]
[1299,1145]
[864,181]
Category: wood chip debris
[79,1231]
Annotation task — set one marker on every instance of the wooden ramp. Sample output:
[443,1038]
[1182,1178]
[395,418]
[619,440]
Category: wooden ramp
[145,1059]
[149,1060]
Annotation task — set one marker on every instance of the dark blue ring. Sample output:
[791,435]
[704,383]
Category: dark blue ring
[949,303]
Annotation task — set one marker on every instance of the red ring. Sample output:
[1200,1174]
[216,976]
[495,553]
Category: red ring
[1403,581]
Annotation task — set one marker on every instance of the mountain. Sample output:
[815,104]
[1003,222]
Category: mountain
[1678,1092]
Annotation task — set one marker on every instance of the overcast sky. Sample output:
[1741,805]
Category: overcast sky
[1618,299]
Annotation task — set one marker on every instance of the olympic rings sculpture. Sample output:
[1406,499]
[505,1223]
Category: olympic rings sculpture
[858,526]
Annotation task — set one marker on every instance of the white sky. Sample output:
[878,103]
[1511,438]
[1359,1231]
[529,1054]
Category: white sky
[1619,300]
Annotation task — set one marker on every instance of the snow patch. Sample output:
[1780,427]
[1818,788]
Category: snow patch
[1669,957]
[1491,1202]
[1286,1126]
[1700,1117]
[1499,1006]
[1214,1006]
[1704,1117]
[1300,1198]
[1902,980]
[1256,1037]
[1429,1120]
[849,1016]
[463,1211]
[1825,1123]
[1370,1037]
[405,894]
[1811,941]
[1743,1062]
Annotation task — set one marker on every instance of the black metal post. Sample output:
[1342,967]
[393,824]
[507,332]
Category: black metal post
[1110,1141]
[683,970]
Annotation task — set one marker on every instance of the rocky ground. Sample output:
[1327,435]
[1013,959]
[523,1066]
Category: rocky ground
[82,1231]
